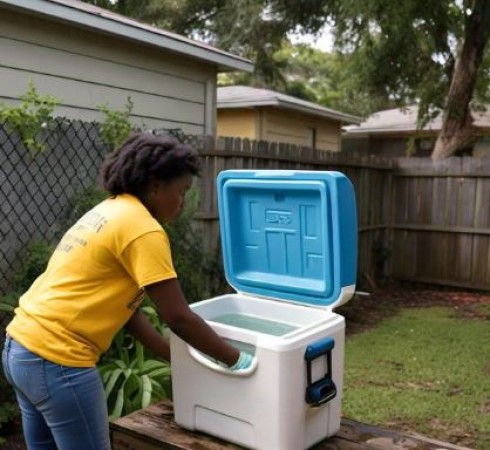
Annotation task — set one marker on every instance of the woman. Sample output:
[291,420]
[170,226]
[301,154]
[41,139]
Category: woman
[92,286]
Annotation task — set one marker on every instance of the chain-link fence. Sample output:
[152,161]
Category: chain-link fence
[35,189]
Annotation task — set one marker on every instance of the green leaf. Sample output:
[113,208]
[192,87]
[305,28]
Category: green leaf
[112,382]
[152,364]
[147,391]
[132,384]
[158,391]
[6,308]
[118,407]
[32,115]
[140,355]
[121,364]
[105,371]
[161,372]
[125,357]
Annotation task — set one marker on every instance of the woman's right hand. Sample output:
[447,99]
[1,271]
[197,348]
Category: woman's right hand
[176,313]
[244,362]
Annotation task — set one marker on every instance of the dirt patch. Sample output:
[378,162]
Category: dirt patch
[14,437]
[365,311]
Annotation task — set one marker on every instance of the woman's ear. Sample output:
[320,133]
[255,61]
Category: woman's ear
[153,186]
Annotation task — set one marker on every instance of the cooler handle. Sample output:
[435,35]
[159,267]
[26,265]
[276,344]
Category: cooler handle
[210,364]
[323,390]
[319,348]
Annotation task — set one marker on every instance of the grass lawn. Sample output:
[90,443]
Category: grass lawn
[423,370]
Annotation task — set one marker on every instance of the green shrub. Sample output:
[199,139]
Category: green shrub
[116,126]
[200,271]
[83,201]
[34,113]
[37,252]
[133,378]
[35,260]
[8,408]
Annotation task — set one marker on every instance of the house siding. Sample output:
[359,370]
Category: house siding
[237,123]
[388,146]
[85,70]
[398,146]
[284,126]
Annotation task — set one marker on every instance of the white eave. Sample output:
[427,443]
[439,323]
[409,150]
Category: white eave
[89,17]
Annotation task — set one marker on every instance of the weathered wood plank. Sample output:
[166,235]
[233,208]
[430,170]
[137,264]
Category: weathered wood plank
[153,428]
[383,439]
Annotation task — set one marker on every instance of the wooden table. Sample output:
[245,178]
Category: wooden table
[153,428]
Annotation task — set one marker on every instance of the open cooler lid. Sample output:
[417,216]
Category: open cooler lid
[289,235]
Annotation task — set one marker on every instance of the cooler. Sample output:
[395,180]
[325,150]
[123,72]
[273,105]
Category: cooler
[289,241]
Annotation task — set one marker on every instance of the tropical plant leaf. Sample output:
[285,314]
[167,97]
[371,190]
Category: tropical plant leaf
[152,364]
[158,391]
[140,354]
[147,391]
[118,406]
[133,385]
[6,308]
[121,364]
[161,372]
[105,373]
[112,382]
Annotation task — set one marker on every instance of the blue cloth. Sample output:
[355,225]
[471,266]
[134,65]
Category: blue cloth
[244,362]
[62,407]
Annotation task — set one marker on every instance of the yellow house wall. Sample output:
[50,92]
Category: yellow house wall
[280,125]
[237,123]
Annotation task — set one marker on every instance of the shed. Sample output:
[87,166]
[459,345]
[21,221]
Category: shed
[262,114]
[87,56]
[393,132]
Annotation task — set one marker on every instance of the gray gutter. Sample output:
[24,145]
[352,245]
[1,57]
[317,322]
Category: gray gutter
[391,130]
[130,30]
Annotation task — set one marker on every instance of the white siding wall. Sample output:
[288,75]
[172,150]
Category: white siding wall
[84,70]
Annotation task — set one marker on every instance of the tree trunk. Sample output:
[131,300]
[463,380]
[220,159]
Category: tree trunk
[457,130]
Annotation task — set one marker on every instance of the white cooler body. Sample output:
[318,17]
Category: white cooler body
[266,409]
[289,242]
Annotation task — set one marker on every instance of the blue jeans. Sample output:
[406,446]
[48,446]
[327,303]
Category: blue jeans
[62,407]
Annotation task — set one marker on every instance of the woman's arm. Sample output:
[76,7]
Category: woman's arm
[175,312]
[141,328]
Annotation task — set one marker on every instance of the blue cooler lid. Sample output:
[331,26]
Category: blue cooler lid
[289,235]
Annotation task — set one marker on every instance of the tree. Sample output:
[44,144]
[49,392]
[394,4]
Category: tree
[457,127]
[432,53]
[252,29]
[329,79]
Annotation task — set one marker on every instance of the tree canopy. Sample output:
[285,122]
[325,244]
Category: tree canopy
[434,54]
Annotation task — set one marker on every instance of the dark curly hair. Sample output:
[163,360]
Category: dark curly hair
[145,157]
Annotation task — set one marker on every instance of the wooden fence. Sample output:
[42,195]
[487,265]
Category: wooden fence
[441,221]
[372,178]
[418,220]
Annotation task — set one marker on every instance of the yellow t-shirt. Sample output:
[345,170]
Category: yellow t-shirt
[93,283]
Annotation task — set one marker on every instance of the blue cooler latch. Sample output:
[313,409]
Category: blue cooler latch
[324,389]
